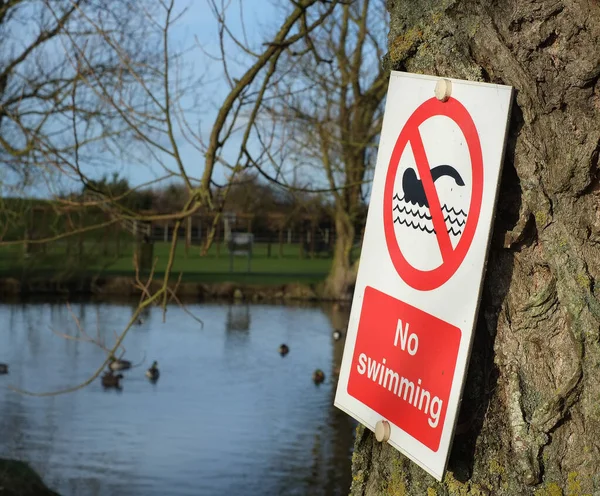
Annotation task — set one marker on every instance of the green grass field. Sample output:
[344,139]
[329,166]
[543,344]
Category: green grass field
[112,258]
[109,251]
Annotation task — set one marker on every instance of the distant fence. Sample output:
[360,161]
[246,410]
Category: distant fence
[320,244]
[118,239]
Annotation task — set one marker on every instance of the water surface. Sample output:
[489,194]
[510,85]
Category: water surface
[228,415]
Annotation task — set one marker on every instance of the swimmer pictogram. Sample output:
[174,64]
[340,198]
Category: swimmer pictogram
[413,193]
[413,200]
[413,187]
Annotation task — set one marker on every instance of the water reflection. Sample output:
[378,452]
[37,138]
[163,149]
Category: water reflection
[342,425]
[238,317]
[227,416]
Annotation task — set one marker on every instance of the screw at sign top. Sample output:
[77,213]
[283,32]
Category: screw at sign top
[382,431]
[443,89]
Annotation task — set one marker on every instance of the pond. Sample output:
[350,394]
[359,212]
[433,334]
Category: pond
[228,415]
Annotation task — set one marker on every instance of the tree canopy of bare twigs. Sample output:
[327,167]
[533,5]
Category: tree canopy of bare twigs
[54,66]
[330,108]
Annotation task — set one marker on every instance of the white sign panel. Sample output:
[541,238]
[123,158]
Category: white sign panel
[422,263]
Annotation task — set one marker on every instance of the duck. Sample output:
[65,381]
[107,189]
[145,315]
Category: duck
[318,376]
[118,364]
[3,368]
[109,380]
[284,350]
[152,373]
[337,334]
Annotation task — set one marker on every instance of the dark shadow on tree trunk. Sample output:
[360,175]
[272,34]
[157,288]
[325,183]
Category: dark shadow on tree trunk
[482,375]
[341,424]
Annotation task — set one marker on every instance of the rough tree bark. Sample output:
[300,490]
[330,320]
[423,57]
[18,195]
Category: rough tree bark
[530,416]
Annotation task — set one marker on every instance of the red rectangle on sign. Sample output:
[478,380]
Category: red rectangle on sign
[403,365]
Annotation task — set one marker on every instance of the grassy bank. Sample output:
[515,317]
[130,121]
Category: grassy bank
[268,265]
[190,291]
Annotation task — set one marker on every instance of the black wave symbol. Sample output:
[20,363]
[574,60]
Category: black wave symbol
[412,186]
[455,220]
[418,225]
[445,208]
[423,228]
[416,213]
[450,210]
[417,216]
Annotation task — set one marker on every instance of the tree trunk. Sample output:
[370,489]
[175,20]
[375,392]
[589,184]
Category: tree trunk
[530,414]
[342,274]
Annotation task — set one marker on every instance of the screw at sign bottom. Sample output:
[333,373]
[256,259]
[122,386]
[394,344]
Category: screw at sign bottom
[382,431]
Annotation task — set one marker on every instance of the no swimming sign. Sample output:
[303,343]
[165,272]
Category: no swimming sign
[423,261]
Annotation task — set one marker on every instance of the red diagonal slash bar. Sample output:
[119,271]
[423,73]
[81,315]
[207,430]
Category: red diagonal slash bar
[435,209]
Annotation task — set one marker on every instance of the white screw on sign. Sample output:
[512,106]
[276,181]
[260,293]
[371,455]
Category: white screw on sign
[443,90]
[382,431]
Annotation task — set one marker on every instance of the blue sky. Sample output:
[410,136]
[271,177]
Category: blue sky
[195,34]
[197,27]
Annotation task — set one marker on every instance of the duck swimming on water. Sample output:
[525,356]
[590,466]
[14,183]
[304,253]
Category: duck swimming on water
[3,368]
[109,380]
[318,376]
[152,373]
[284,350]
[118,364]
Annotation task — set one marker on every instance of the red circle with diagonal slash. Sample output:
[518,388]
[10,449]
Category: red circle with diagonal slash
[426,280]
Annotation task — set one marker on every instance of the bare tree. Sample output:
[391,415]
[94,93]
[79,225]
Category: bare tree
[51,118]
[330,105]
[41,80]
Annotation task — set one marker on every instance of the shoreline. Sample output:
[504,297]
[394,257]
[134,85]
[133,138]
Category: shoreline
[18,478]
[125,287]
